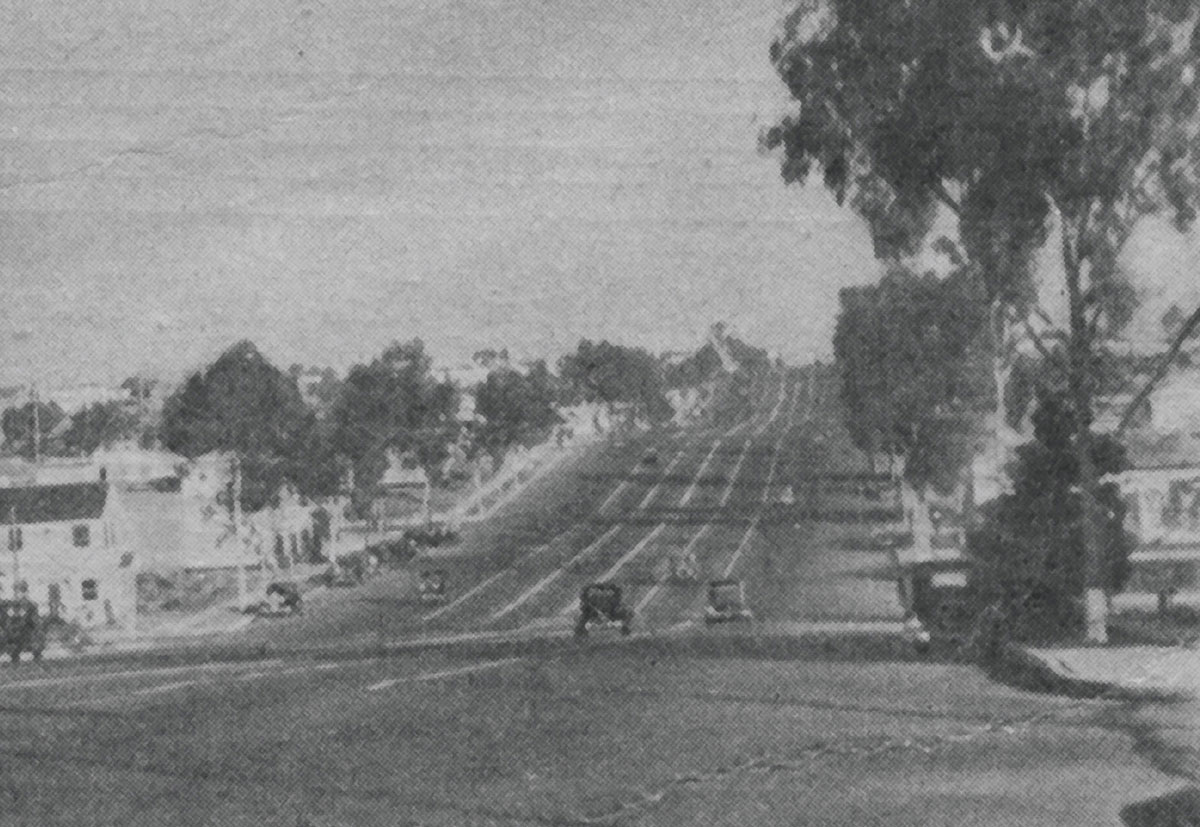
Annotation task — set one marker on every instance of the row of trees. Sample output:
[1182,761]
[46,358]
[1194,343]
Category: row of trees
[242,403]
[1029,124]
[44,428]
[346,427]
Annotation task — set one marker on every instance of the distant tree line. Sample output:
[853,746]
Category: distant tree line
[343,428]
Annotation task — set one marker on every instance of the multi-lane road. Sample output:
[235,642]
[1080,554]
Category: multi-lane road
[723,497]
[373,709]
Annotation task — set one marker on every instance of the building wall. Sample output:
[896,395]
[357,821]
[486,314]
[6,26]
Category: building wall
[93,584]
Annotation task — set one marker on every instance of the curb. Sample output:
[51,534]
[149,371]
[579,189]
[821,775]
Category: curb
[1055,676]
[754,641]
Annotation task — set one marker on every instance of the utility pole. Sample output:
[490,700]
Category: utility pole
[37,426]
[236,511]
[14,545]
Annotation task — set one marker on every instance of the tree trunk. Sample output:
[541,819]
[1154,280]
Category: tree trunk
[1079,384]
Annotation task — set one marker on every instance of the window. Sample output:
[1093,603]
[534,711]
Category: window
[81,535]
[91,589]
[16,540]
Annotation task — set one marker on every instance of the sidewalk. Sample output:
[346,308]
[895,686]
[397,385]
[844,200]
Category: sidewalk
[1126,672]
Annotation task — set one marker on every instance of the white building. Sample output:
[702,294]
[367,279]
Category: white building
[72,546]
[192,528]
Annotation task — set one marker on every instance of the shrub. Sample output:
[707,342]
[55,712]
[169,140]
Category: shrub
[1028,551]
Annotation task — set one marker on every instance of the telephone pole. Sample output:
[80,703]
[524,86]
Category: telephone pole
[37,426]
[14,545]
[239,550]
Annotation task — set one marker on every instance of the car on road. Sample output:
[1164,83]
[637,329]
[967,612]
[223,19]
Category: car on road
[600,605]
[21,629]
[650,458]
[682,567]
[726,602]
[432,588]
[283,600]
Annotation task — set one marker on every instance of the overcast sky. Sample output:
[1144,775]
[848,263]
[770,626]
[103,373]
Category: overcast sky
[326,177]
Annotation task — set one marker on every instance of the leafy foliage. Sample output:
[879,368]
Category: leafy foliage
[20,425]
[1005,112]
[517,409]
[394,403]
[99,425]
[243,404]
[608,373]
[912,356]
[1030,550]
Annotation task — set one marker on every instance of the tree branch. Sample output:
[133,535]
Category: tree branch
[1160,370]
[1051,358]
[946,198]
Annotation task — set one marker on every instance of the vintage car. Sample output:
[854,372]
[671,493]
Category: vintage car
[650,457]
[283,600]
[432,588]
[683,567]
[916,633]
[726,602]
[348,571]
[21,629]
[433,533]
[600,605]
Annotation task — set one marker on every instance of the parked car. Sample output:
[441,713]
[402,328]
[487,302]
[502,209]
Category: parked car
[600,605]
[21,629]
[283,600]
[650,457]
[432,588]
[432,534]
[346,574]
[683,567]
[726,602]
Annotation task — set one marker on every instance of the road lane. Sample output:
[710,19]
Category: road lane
[691,490]
[537,587]
[467,595]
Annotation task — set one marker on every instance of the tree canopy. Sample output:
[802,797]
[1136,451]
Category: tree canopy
[99,425]
[394,403]
[1003,112]
[243,404]
[20,426]
[912,357]
[609,373]
[517,408]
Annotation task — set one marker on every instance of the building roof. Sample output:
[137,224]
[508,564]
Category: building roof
[53,503]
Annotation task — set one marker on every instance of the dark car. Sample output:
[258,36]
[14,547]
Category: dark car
[650,458]
[600,605]
[283,599]
[726,602]
[21,629]
[432,587]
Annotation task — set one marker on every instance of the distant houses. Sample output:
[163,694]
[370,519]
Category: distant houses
[79,532]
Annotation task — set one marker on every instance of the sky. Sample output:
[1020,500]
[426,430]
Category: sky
[326,177]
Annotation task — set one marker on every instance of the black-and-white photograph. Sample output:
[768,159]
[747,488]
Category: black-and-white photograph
[646,413]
